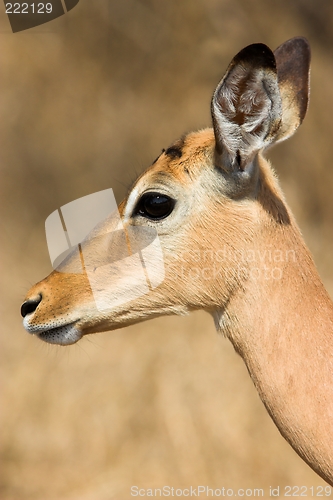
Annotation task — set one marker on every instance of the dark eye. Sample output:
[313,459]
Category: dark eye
[154,206]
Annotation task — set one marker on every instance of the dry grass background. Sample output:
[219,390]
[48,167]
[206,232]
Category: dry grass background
[87,102]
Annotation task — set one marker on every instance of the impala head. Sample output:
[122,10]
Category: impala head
[208,196]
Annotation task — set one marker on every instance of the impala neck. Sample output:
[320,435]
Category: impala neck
[281,323]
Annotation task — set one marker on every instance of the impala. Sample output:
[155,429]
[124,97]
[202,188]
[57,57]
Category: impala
[230,246]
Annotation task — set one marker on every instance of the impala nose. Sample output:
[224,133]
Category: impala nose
[30,306]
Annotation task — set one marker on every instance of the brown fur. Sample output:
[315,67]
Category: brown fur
[231,247]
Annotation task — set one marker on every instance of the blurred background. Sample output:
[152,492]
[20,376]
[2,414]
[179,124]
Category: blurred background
[87,102]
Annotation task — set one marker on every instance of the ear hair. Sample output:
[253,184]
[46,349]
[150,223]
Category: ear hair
[262,99]
[246,107]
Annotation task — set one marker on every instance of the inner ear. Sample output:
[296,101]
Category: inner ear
[246,107]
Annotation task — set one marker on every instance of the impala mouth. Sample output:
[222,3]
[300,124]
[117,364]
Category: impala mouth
[62,335]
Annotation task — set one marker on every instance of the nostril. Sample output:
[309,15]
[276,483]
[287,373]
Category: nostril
[30,306]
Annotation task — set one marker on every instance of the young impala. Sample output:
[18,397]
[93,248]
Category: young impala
[230,246]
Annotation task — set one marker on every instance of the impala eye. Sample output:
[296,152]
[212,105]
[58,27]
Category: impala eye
[154,206]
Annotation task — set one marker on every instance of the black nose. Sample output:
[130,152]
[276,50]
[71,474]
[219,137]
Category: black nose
[30,306]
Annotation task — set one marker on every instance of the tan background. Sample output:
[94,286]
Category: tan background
[87,102]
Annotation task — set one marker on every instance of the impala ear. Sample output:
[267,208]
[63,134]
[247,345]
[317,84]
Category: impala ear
[246,108]
[293,70]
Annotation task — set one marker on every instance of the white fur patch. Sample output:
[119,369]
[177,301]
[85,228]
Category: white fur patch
[130,204]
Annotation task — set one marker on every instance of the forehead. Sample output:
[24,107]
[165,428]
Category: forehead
[184,158]
[179,165]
